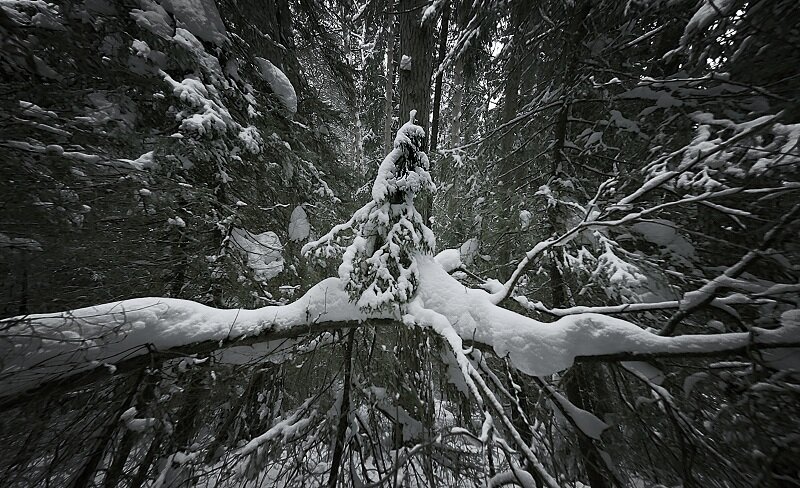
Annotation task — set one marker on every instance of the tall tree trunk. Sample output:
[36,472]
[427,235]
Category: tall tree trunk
[416,66]
[351,58]
[87,474]
[344,413]
[283,52]
[510,173]
[130,437]
[389,91]
[437,90]
[23,299]
[456,100]
[457,91]
[447,173]
[513,75]
[579,388]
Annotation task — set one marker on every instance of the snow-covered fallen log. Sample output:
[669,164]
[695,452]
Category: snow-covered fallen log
[65,346]
[39,349]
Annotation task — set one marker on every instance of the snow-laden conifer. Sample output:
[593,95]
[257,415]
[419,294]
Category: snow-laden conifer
[379,267]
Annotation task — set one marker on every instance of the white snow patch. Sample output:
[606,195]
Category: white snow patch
[449,260]
[539,349]
[251,138]
[143,162]
[212,115]
[470,250]
[791,318]
[200,17]
[262,251]
[285,429]
[279,83]
[140,48]
[585,421]
[59,345]
[299,227]
[663,233]
[176,221]
[525,219]
[30,109]
[153,18]
[140,425]
[708,12]
[19,243]
[653,374]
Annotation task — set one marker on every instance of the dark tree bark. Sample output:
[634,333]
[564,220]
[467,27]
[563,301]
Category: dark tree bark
[437,90]
[513,72]
[389,90]
[511,173]
[580,387]
[130,437]
[275,19]
[457,89]
[87,474]
[344,413]
[416,66]
[280,28]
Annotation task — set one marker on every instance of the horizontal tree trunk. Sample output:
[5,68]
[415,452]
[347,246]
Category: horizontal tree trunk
[81,378]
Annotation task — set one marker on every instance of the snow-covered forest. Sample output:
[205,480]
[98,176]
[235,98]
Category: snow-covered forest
[400,243]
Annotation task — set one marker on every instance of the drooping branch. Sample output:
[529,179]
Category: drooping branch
[506,289]
[707,293]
